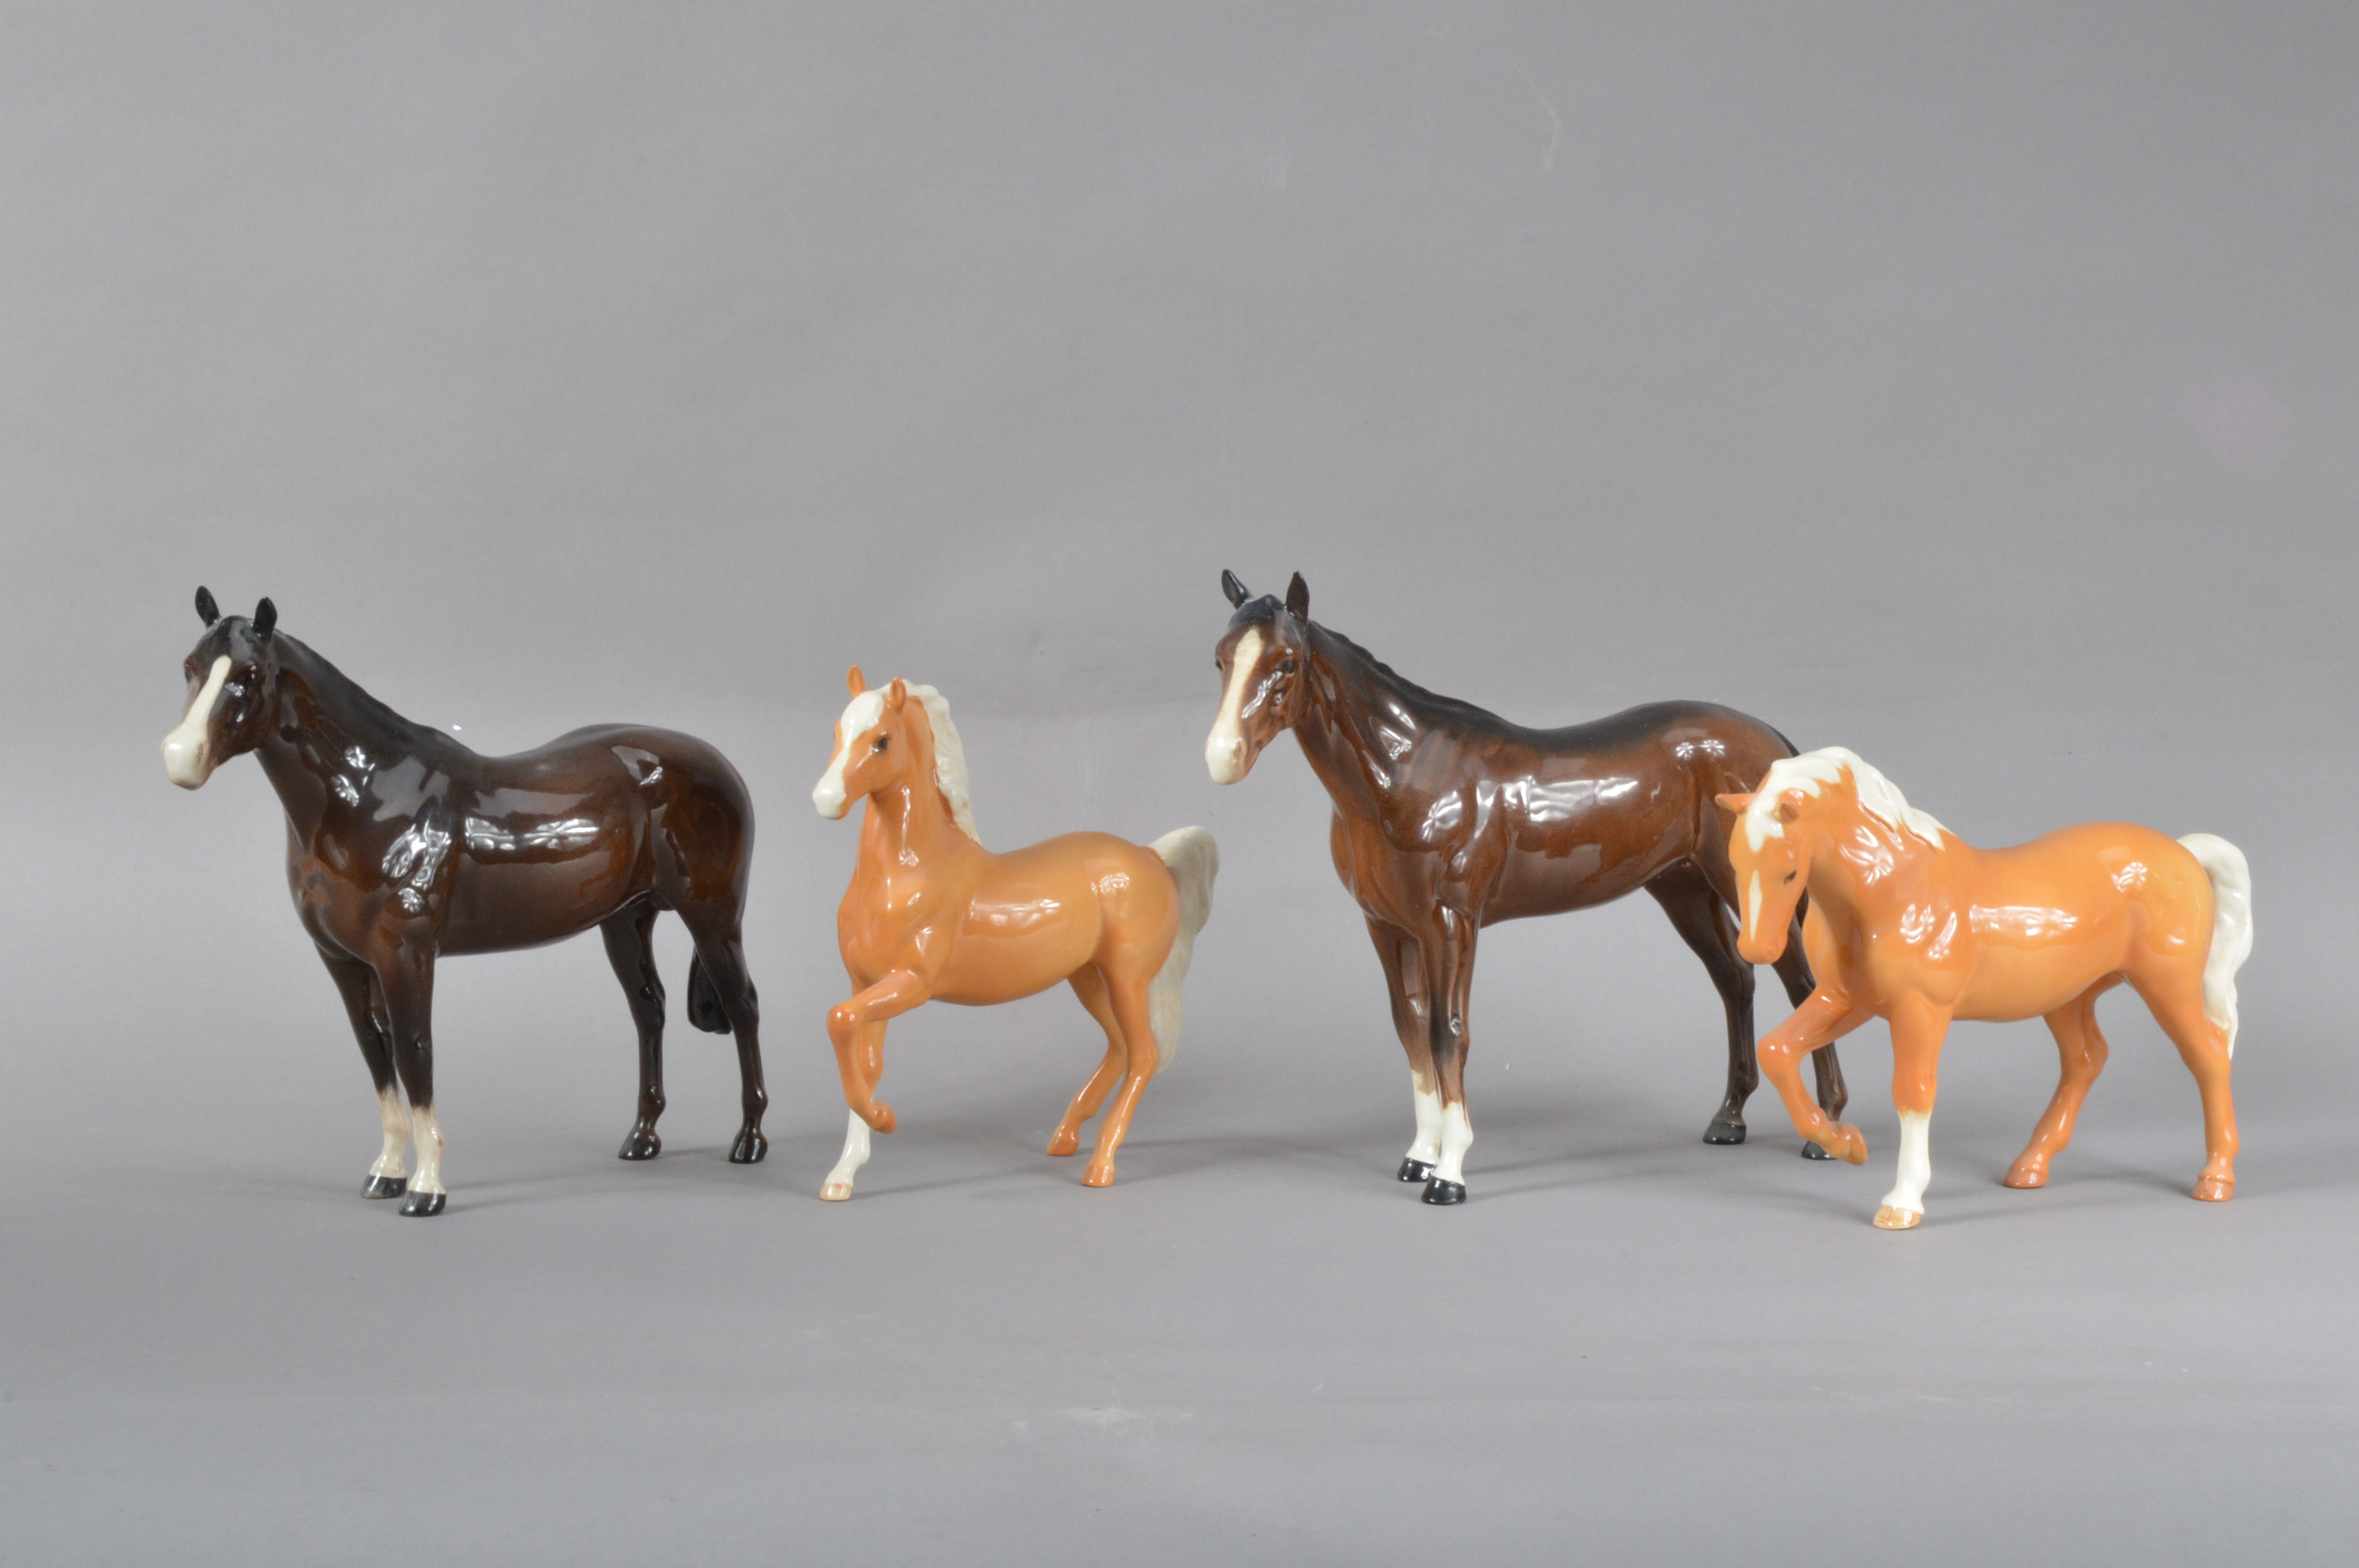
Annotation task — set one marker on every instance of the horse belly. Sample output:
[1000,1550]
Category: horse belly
[2044,931]
[498,904]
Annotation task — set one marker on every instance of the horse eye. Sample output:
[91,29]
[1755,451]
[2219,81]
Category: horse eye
[1790,876]
[881,742]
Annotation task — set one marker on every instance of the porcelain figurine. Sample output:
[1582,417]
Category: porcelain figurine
[1449,819]
[933,915]
[402,845]
[1911,924]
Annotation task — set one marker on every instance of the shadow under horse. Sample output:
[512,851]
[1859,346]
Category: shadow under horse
[402,845]
[1448,818]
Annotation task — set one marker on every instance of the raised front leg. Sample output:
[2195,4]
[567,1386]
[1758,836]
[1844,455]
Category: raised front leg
[630,948]
[856,1028]
[1405,988]
[1793,969]
[1918,1028]
[1448,949]
[355,984]
[406,979]
[1820,1020]
[1090,985]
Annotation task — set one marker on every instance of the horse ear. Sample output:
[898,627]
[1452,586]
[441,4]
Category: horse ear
[856,681]
[897,694]
[1298,598]
[1733,804]
[265,616]
[1235,590]
[206,608]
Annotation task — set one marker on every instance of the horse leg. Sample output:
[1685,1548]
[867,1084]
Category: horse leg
[1448,949]
[719,948]
[630,948]
[1704,923]
[1793,967]
[1917,1029]
[856,1028]
[407,981]
[355,985]
[1820,1020]
[1128,996]
[1090,985]
[2177,1002]
[2081,1046]
[1404,987]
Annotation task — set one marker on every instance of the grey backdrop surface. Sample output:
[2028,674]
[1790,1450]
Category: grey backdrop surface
[1972,386]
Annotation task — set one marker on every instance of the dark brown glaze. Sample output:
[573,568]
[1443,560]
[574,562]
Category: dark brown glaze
[1448,818]
[402,845]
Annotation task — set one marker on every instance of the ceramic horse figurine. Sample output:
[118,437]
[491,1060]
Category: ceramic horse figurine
[402,845]
[933,915]
[1910,923]
[1448,819]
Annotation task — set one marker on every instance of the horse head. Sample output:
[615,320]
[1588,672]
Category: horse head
[233,675]
[1261,658]
[1773,866]
[892,735]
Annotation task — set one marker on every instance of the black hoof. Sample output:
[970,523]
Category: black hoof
[749,1148]
[1415,1170]
[423,1205]
[641,1145]
[1443,1193]
[1724,1132]
[1812,1151]
[384,1186]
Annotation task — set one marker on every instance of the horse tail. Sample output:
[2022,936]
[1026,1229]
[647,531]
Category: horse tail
[1194,861]
[2231,926]
[704,1008]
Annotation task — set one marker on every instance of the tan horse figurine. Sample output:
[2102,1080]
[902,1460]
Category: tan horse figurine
[933,915]
[1909,923]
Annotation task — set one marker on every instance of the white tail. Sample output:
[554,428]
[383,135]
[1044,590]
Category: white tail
[1194,861]
[2231,926]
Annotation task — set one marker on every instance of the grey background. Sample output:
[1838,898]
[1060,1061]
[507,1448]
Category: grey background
[1969,385]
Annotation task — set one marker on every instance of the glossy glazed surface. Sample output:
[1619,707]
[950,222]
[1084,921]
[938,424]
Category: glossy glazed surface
[1448,818]
[1910,923]
[933,915]
[404,845]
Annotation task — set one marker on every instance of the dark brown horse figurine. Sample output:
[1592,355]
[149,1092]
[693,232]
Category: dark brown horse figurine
[402,845]
[1448,818]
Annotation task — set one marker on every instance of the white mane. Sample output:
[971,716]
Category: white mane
[949,756]
[1878,795]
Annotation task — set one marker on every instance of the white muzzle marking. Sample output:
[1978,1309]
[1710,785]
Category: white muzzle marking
[860,716]
[1224,749]
[188,756]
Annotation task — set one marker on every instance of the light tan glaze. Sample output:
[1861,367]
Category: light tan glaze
[933,915]
[1919,937]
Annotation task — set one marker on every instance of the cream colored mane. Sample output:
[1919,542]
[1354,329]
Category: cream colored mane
[1878,795]
[949,755]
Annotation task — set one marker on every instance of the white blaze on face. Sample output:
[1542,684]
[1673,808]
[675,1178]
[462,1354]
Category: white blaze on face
[860,716]
[187,760]
[1225,749]
[838,1185]
[1753,908]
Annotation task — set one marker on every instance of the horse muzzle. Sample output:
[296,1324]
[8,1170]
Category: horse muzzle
[188,758]
[1228,758]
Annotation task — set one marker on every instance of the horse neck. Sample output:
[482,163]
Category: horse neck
[320,715]
[1867,878]
[909,822]
[1360,719]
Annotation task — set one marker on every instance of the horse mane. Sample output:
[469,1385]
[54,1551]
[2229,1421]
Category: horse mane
[1878,795]
[950,753]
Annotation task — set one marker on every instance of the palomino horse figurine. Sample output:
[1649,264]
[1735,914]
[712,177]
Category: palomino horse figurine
[933,915]
[1448,818]
[1911,924]
[402,845]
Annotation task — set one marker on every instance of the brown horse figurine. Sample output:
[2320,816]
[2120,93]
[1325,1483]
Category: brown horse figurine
[1448,818]
[402,845]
